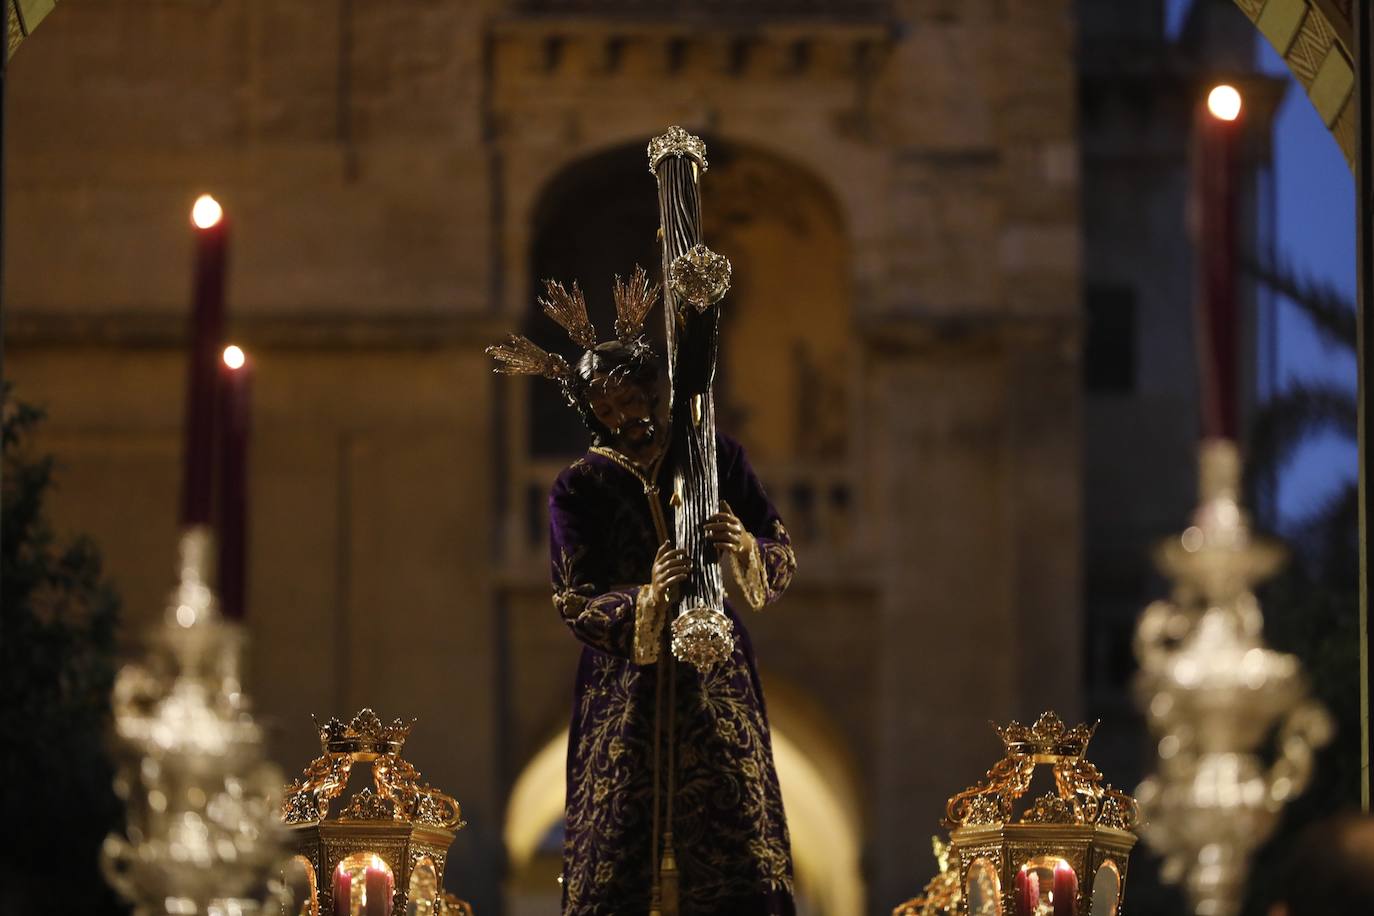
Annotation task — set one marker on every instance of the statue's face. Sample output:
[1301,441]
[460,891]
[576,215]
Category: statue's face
[631,406]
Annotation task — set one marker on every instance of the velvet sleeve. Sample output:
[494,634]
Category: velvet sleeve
[766,571]
[597,614]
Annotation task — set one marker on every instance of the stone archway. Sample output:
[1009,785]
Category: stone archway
[786,385]
[820,794]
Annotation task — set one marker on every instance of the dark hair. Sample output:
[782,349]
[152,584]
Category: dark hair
[1330,870]
[611,359]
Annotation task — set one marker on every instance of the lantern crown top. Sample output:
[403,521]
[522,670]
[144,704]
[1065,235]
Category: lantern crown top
[1049,739]
[1079,798]
[400,796]
[364,735]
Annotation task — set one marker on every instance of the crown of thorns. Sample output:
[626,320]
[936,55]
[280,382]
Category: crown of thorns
[518,355]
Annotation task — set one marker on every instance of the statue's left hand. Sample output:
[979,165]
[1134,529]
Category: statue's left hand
[728,533]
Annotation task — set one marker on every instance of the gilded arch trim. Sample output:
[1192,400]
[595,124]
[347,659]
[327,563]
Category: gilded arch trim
[1315,40]
[23,17]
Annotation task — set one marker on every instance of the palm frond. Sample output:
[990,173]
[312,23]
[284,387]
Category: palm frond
[1330,311]
[1288,419]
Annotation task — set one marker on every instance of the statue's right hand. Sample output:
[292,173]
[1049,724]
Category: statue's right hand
[671,566]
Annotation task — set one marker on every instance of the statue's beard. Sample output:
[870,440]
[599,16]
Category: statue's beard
[639,432]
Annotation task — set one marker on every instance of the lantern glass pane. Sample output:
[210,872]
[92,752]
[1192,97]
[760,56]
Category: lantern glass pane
[299,877]
[424,889]
[982,889]
[1106,890]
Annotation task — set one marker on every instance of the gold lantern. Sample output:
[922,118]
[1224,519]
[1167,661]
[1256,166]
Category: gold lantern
[1065,853]
[381,852]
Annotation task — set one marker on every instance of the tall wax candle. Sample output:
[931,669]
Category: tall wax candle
[207,332]
[235,389]
[1215,177]
[1065,890]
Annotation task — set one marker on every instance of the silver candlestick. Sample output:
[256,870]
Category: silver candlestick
[1213,693]
[202,834]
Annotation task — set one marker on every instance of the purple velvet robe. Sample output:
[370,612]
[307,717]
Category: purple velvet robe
[729,831]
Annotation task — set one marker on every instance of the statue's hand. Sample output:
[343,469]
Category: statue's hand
[728,533]
[671,566]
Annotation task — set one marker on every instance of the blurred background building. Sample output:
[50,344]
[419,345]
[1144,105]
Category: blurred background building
[959,350]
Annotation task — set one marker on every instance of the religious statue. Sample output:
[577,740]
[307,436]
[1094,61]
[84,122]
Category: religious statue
[673,803]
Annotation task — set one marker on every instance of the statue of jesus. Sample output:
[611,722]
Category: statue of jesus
[672,798]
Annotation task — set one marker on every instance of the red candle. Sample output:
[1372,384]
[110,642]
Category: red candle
[343,891]
[235,388]
[207,331]
[1065,890]
[1215,184]
[1027,892]
[379,889]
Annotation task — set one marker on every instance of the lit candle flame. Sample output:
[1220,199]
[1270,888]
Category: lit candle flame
[234,357]
[206,212]
[1224,102]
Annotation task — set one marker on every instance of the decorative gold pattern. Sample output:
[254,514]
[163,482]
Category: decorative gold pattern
[676,142]
[1077,782]
[700,276]
[570,311]
[633,300]
[403,821]
[750,572]
[651,608]
[1082,821]
[400,795]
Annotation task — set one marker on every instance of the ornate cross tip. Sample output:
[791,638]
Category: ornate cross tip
[521,356]
[570,311]
[633,300]
[676,142]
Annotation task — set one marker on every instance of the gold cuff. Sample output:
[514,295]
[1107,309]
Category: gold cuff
[750,572]
[650,605]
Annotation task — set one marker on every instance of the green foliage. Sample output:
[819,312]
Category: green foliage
[58,617]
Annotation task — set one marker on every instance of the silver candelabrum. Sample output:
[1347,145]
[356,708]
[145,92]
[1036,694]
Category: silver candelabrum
[202,835]
[1214,694]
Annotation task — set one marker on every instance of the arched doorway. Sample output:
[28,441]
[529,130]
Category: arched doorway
[788,360]
[820,794]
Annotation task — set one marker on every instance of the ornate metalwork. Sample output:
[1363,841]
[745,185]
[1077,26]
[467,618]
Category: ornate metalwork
[1082,822]
[400,795]
[399,819]
[702,637]
[1213,692]
[199,794]
[633,300]
[676,141]
[569,309]
[700,276]
[519,355]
